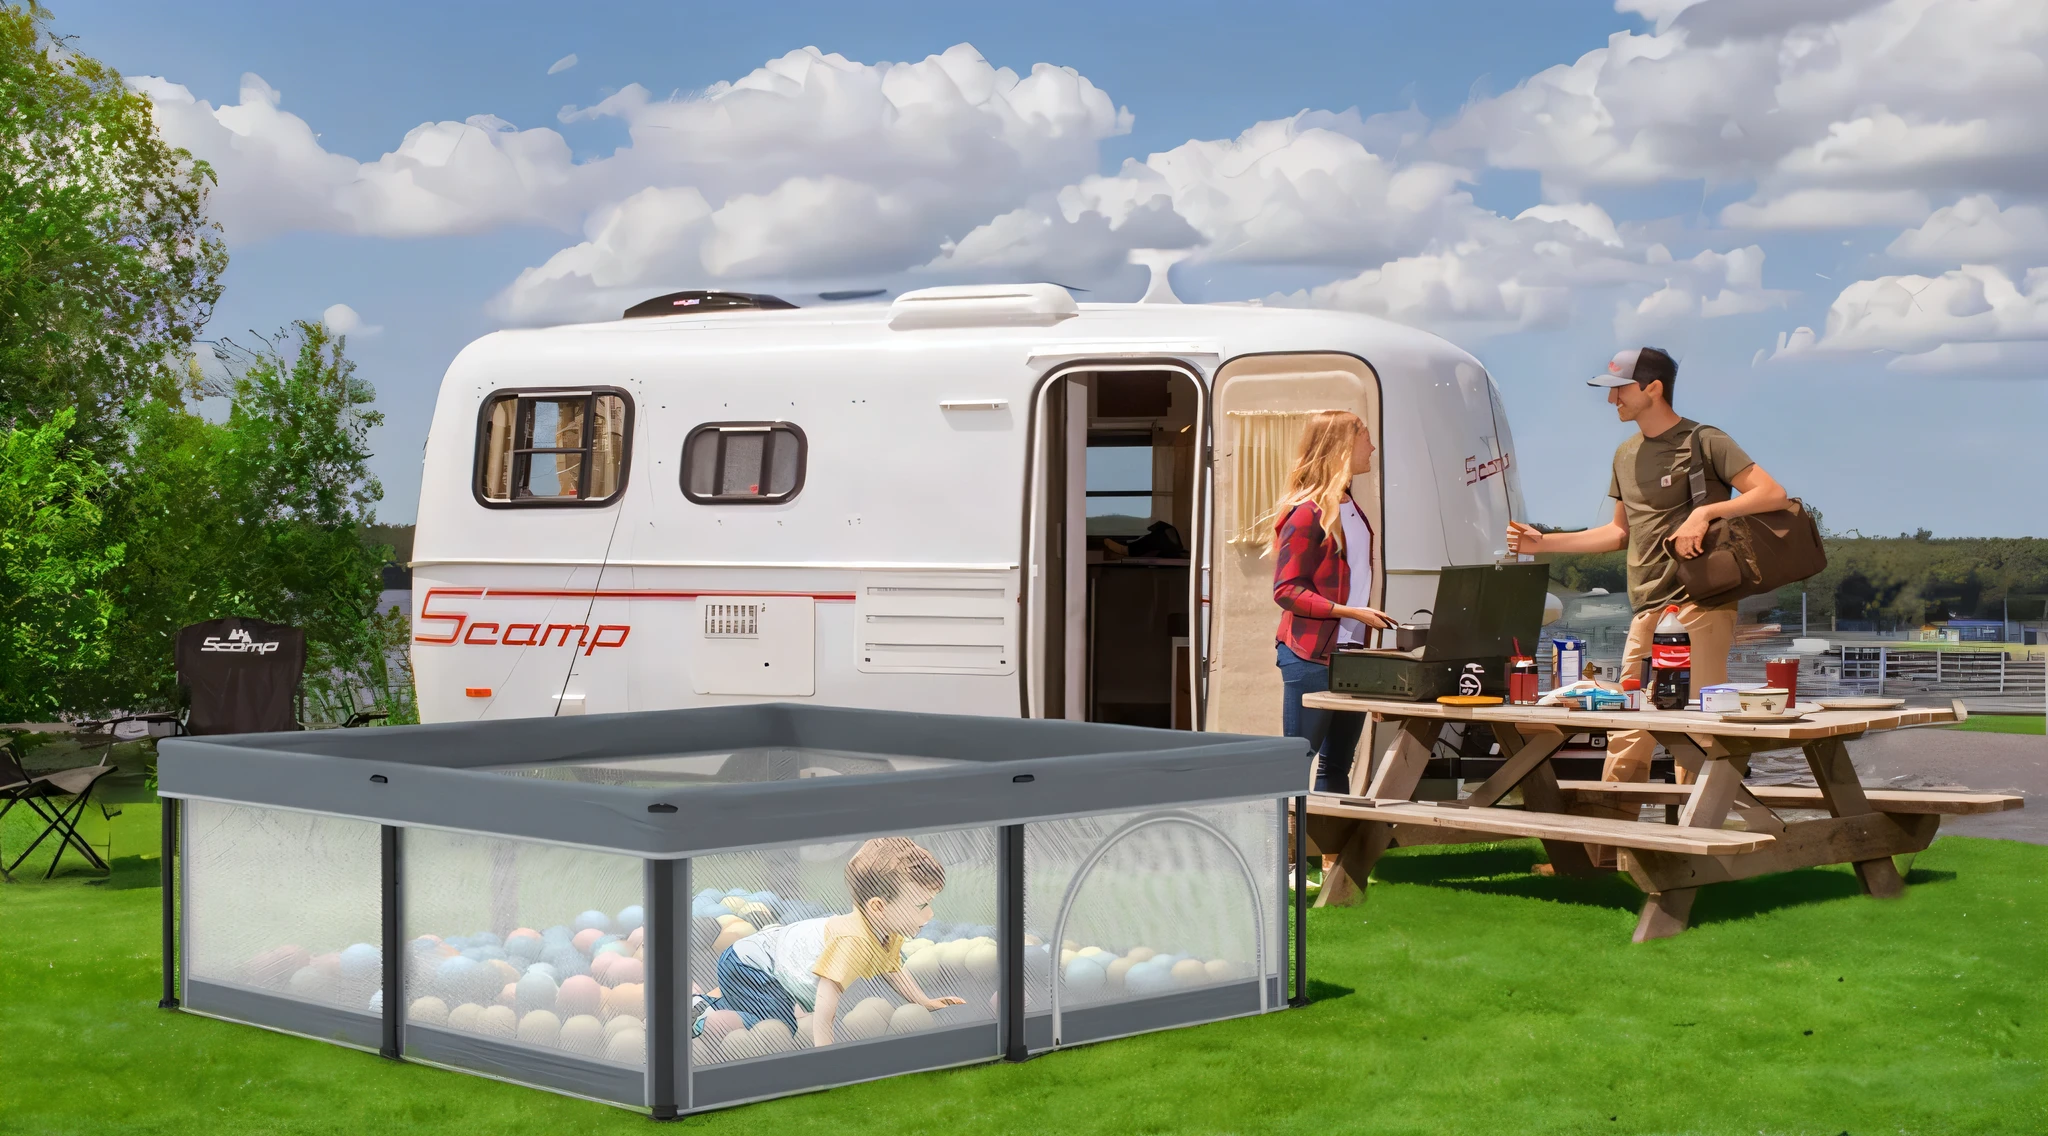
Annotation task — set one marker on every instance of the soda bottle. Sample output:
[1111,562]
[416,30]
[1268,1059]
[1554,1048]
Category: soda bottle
[1671,662]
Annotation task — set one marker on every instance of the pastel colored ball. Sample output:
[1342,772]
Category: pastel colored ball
[593,921]
[508,994]
[377,1003]
[733,903]
[771,1036]
[924,965]
[731,892]
[583,1034]
[557,934]
[1220,970]
[631,918]
[275,966]
[909,1018]
[623,971]
[428,1011]
[1096,953]
[805,1039]
[579,994]
[1085,977]
[622,1023]
[1116,972]
[463,1017]
[739,929]
[627,1047]
[719,1023]
[540,1028]
[613,947]
[757,914]
[586,939]
[535,991]
[637,938]
[1190,972]
[982,960]
[309,982]
[501,970]
[497,1021]
[328,964]
[548,969]
[868,1019]
[601,965]
[627,999]
[1139,954]
[953,955]
[524,945]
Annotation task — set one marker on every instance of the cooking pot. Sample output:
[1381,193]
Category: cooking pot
[1409,636]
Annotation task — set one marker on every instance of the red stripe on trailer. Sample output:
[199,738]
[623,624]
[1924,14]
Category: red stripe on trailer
[461,619]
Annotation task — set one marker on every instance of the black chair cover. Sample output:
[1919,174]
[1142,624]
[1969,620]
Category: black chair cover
[243,675]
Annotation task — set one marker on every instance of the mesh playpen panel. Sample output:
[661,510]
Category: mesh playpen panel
[1173,902]
[285,903]
[535,950]
[735,896]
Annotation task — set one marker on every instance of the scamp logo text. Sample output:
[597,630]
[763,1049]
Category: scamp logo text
[1477,471]
[239,642]
[459,628]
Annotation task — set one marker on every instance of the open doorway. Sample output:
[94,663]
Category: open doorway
[1118,512]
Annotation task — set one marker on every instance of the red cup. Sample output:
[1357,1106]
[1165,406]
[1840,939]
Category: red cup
[1785,673]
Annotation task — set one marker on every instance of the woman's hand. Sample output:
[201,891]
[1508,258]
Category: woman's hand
[1524,539]
[1370,616]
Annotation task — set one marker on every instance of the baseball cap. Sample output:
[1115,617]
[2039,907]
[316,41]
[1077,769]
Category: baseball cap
[1621,370]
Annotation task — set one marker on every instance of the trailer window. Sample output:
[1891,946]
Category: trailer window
[553,447]
[743,463]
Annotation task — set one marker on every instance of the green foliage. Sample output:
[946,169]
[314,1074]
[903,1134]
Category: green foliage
[261,515]
[55,549]
[108,271]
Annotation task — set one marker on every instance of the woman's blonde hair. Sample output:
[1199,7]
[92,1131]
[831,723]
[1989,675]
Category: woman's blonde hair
[1322,472]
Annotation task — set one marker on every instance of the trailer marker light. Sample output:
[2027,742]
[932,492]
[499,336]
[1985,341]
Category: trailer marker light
[476,692]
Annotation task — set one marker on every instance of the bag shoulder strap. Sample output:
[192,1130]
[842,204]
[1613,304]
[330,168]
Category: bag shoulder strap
[1696,472]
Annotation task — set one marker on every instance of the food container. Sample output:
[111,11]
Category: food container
[1567,661]
[1721,699]
[1413,634]
[1522,681]
[1765,700]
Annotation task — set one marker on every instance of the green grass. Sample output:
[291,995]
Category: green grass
[2003,724]
[1465,996]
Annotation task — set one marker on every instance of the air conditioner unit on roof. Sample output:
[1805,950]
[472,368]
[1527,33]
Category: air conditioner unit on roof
[983,305]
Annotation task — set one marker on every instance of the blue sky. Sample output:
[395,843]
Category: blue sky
[1715,177]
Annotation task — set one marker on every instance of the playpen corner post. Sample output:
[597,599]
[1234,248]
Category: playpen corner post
[393,1046]
[169,857]
[664,974]
[1010,937]
[1300,902]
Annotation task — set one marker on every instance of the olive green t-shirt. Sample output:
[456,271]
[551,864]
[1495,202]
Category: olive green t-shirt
[1650,482]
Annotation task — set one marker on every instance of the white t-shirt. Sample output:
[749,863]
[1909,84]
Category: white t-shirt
[1358,554]
[788,951]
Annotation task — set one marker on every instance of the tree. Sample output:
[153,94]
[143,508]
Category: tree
[55,549]
[261,515]
[108,265]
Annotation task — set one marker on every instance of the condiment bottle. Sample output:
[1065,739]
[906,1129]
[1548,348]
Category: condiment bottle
[1522,681]
[1632,689]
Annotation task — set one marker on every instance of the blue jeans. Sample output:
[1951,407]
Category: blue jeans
[1331,734]
[756,994]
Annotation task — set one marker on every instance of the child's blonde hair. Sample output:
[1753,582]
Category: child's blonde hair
[885,864]
[1322,472]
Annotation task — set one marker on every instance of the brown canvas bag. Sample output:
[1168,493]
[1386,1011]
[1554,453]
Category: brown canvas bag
[1747,556]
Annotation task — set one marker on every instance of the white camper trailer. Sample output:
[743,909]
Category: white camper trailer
[931,504]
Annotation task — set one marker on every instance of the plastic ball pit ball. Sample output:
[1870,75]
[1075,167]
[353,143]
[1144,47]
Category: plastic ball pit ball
[981,961]
[734,932]
[276,966]
[600,966]
[307,982]
[772,1036]
[586,940]
[583,1034]
[428,1011]
[621,1024]
[909,1018]
[497,1021]
[627,1047]
[535,991]
[1085,977]
[593,921]
[719,1023]
[624,971]
[464,1017]
[1117,970]
[1190,972]
[580,994]
[1219,971]
[924,965]
[524,946]
[631,918]
[540,1028]
[869,1019]
[627,998]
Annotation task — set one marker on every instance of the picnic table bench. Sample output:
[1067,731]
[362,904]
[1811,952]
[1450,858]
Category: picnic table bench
[1669,861]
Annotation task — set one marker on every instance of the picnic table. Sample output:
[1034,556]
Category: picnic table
[1669,861]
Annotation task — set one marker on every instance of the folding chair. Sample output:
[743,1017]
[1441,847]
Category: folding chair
[43,795]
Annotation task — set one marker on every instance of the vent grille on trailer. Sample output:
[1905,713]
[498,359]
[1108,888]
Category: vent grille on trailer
[732,621]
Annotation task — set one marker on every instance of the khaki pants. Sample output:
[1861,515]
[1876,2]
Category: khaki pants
[1713,632]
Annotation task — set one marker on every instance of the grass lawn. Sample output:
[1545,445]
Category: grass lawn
[1465,996]
[2004,724]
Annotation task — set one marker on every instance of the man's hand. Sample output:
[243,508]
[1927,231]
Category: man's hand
[1686,541]
[1524,539]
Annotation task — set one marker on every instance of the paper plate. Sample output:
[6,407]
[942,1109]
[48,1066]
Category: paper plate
[1471,700]
[1778,718]
[1860,703]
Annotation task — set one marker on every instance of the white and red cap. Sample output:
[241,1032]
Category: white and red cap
[1621,370]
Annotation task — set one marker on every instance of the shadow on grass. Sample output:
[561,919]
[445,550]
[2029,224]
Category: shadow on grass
[1320,991]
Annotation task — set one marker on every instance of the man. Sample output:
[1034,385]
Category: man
[1653,501]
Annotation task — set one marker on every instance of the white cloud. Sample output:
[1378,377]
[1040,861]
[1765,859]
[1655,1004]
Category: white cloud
[1827,209]
[343,320]
[1878,96]
[2024,360]
[1976,231]
[562,64]
[1941,322]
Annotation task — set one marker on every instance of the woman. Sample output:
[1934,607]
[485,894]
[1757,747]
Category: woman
[1322,580]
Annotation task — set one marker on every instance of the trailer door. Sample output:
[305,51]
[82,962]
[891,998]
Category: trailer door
[1260,405]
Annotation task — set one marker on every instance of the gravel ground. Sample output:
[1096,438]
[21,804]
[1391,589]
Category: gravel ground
[1937,758]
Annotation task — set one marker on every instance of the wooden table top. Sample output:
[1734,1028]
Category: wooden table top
[1822,724]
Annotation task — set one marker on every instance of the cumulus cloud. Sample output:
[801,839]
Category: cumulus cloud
[343,320]
[1976,231]
[1880,96]
[562,64]
[1976,313]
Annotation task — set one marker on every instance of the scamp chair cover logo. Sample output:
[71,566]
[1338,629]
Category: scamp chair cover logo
[239,642]
[242,675]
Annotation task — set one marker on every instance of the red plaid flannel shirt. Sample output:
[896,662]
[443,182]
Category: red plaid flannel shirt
[1310,578]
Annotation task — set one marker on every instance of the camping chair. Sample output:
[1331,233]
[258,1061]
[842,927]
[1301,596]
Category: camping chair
[242,674]
[43,795]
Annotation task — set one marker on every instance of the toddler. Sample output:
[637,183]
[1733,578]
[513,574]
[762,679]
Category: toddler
[803,969]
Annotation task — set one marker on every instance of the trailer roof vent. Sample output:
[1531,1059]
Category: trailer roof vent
[983,305]
[681,303]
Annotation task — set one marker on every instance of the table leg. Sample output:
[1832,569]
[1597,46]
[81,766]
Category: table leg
[1666,913]
[1828,758]
[1398,773]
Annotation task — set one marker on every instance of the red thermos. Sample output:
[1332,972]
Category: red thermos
[1522,681]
